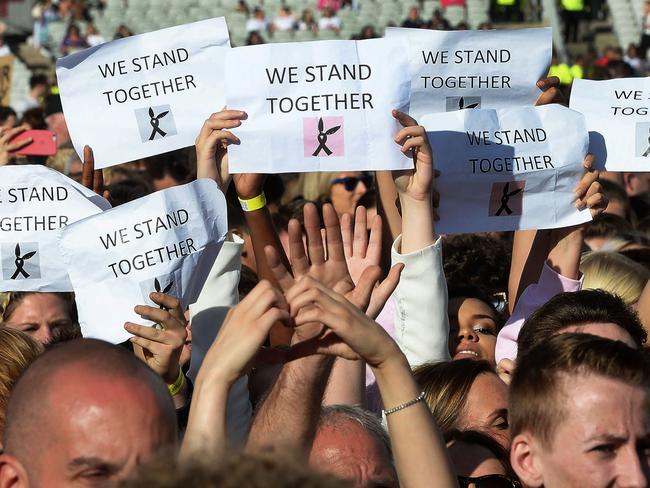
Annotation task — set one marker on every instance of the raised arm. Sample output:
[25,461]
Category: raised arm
[422,325]
[289,415]
[559,265]
[419,450]
[229,358]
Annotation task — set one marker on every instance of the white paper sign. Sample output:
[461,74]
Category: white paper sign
[35,203]
[166,241]
[453,70]
[617,114]
[144,95]
[317,106]
[508,169]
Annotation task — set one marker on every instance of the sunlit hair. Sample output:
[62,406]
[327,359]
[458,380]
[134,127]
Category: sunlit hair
[446,387]
[615,273]
[541,381]
[17,351]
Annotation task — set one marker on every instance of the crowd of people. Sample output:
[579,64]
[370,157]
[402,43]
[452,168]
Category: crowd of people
[339,340]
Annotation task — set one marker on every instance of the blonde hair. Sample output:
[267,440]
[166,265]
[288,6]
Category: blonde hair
[17,351]
[311,186]
[615,273]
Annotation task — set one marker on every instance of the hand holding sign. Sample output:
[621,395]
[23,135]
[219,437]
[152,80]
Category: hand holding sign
[414,183]
[212,145]
[160,349]
[551,92]
[589,193]
[7,148]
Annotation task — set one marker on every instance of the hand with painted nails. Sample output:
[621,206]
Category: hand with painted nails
[551,92]
[415,183]
[589,192]
[160,348]
[9,148]
[212,145]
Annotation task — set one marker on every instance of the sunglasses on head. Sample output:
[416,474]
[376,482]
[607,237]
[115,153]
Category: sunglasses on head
[488,481]
[351,182]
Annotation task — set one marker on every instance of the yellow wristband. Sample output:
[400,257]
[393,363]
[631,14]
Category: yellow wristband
[176,387]
[254,203]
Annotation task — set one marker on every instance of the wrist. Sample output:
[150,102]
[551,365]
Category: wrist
[415,199]
[254,203]
[175,385]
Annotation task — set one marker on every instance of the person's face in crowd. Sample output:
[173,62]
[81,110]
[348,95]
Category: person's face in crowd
[413,14]
[601,438]
[472,329]
[637,183]
[40,315]
[473,460]
[9,122]
[40,90]
[351,453]
[609,331]
[116,426]
[56,123]
[345,195]
[486,409]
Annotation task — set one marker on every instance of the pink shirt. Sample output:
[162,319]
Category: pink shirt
[550,284]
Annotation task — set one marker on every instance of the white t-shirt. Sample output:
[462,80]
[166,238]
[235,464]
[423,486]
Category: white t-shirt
[95,40]
[284,23]
[256,25]
[327,23]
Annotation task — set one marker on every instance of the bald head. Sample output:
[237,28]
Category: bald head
[351,444]
[87,406]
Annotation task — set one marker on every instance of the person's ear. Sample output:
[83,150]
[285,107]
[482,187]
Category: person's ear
[627,181]
[12,473]
[524,457]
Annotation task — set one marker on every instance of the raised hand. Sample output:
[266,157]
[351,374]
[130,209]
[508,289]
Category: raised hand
[212,145]
[8,148]
[92,178]
[551,92]
[160,348]
[243,333]
[589,193]
[414,183]
[331,269]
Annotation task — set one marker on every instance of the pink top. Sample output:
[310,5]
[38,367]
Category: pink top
[335,5]
[550,284]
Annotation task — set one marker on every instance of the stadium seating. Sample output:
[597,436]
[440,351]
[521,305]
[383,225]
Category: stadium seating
[148,15]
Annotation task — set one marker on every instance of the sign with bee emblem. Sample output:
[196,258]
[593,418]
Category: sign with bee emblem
[36,203]
[165,242]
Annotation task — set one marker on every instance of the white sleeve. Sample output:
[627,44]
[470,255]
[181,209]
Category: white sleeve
[220,294]
[421,321]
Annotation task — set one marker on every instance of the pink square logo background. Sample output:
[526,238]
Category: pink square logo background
[335,142]
[515,202]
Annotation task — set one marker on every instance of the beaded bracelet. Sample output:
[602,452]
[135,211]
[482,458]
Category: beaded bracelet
[410,403]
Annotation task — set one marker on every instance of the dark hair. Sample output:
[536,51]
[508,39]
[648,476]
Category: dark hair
[478,294]
[477,260]
[125,191]
[5,113]
[247,281]
[578,308]
[35,117]
[483,440]
[38,79]
[537,392]
[641,256]
[607,225]
[175,164]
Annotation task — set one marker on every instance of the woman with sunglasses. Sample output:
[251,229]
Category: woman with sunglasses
[479,461]
[347,188]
